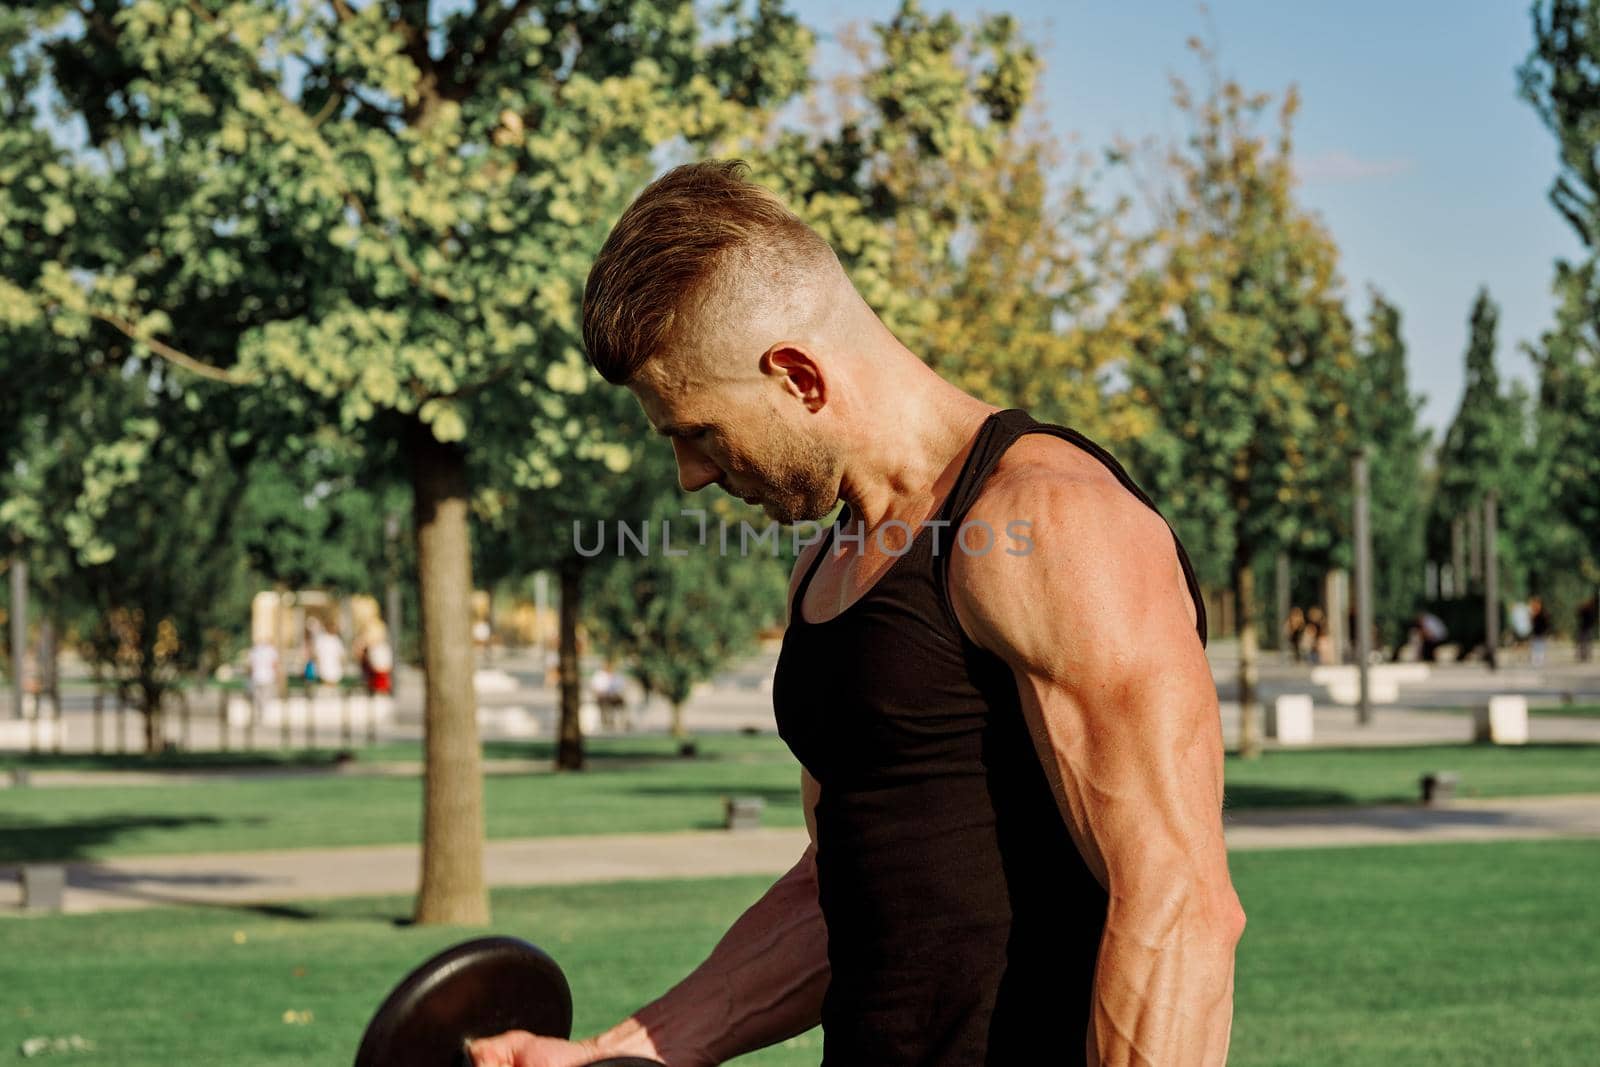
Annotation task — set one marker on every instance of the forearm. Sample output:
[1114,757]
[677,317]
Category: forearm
[763,983]
[1163,991]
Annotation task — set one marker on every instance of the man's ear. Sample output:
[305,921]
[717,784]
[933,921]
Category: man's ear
[801,373]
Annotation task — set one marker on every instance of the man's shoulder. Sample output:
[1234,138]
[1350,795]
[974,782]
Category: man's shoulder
[1062,491]
[1097,575]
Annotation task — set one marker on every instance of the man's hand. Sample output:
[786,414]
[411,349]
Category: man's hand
[518,1048]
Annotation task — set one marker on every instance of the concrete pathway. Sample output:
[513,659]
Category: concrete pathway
[245,879]
[242,878]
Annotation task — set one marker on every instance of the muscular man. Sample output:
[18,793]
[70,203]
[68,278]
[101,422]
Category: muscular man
[993,676]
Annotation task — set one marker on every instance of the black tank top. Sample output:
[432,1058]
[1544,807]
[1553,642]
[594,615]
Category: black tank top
[963,924]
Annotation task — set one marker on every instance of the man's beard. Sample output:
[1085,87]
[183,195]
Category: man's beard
[799,479]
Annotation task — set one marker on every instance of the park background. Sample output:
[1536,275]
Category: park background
[289,296]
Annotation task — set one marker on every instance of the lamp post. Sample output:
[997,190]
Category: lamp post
[1363,591]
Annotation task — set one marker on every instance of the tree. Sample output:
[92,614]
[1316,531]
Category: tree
[881,187]
[674,621]
[1482,443]
[134,522]
[1244,349]
[1561,79]
[946,209]
[379,218]
[311,518]
[536,527]
[1568,425]
[997,267]
[1386,411]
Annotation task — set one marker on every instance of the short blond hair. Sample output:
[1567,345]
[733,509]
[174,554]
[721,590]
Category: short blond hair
[685,229]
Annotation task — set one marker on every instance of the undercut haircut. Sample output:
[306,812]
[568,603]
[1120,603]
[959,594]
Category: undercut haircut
[691,228]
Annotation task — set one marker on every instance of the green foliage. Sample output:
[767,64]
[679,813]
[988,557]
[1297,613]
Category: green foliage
[1568,426]
[1561,79]
[675,620]
[132,531]
[1386,413]
[1477,453]
[401,226]
[308,521]
[946,205]
[1243,348]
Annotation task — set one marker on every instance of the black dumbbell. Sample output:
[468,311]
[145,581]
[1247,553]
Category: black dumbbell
[476,989]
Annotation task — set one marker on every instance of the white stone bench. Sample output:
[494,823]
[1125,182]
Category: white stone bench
[324,711]
[513,721]
[487,680]
[1383,681]
[1503,721]
[1289,719]
[19,735]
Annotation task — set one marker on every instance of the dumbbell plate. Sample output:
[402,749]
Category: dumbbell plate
[478,988]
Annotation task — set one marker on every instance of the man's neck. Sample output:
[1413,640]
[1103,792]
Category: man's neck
[910,452]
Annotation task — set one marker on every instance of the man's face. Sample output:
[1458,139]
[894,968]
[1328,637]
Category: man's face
[735,434]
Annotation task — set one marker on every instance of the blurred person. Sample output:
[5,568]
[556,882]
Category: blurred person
[1293,627]
[1539,629]
[1519,619]
[265,674]
[1313,643]
[1588,623]
[482,636]
[325,654]
[1431,632]
[308,649]
[606,685]
[376,658]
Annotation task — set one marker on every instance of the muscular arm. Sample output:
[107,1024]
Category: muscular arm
[763,982]
[1098,629]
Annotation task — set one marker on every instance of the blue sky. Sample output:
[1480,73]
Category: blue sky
[1411,142]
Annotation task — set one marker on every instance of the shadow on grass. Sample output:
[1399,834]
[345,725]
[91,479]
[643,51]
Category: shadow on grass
[774,796]
[32,841]
[1429,756]
[171,761]
[1275,796]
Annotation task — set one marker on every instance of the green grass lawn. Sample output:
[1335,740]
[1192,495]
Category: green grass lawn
[1578,711]
[1389,775]
[637,785]
[604,750]
[1418,955]
[632,786]
[1558,711]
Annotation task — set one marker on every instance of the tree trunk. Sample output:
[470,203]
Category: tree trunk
[453,889]
[153,725]
[679,730]
[19,633]
[1244,595]
[569,750]
[50,675]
